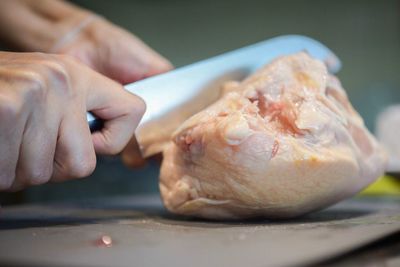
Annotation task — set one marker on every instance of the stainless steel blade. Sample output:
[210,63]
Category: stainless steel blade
[174,96]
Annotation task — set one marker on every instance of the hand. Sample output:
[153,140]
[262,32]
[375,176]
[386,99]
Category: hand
[55,26]
[44,132]
[99,44]
[119,55]
[112,51]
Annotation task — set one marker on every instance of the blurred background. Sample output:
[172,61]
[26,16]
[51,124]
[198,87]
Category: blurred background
[364,34]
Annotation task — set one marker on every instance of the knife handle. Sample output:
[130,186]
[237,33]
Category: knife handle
[95,124]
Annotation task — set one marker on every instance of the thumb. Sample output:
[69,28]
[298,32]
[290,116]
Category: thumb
[120,110]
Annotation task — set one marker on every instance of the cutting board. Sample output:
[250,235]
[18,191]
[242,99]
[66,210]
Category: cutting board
[142,233]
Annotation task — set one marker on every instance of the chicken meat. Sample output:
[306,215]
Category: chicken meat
[283,142]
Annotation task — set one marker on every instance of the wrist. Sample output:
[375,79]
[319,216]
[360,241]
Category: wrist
[61,31]
[72,30]
[29,25]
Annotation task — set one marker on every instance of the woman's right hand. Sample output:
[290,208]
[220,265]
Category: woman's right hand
[43,128]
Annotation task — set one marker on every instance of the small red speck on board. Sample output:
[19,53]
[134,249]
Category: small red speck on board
[103,241]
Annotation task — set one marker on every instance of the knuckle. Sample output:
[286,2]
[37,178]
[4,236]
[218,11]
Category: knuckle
[113,148]
[83,168]
[9,109]
[35,89]
[56,70]
[138,106]
[52,70]
[40,176]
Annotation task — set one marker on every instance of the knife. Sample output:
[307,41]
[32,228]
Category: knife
[173,97]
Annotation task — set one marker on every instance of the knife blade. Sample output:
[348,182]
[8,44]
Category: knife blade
[173,97]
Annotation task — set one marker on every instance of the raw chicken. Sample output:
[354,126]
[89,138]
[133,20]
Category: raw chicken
[387,121]
[282,143]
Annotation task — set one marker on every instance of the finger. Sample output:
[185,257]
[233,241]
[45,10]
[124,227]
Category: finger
[36,154]
[132,65]
[75,156]
[158,65]
[131,155]
[144,62]
[153,62]
[120,110]
[11,130]
[132,60]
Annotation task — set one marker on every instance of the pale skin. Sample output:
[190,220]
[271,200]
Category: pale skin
[44,97]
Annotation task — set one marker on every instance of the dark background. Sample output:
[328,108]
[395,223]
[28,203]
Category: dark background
[364,34]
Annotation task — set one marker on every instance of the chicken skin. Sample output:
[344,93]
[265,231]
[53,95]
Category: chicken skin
[283,142]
